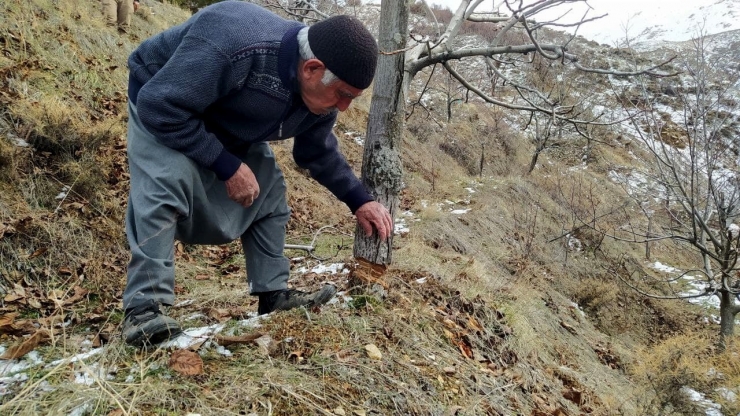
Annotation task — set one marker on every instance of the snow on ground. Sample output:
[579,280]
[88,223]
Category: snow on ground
[332,268]
[574,244]
[401,227]
[691,285]
[17,140]
[664,268]
[710,408]
[452,207]
[356,136]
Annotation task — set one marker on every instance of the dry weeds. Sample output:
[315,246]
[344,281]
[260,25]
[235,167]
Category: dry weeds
[478,316]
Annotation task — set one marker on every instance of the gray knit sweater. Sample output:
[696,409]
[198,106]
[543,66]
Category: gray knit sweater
[227,78]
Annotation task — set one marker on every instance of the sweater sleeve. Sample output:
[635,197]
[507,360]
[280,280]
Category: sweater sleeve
[172,102]
[318,151]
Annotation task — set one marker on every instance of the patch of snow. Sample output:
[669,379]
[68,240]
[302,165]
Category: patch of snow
[710,408]
[577,307]
[184,303]
[727,394]
[223,351]
[582,166]
[92,373]
[6,382]
[14,366]
[253,321]
[195,316]
[18,141]
[460,211]
[356,136]
[82,409]
[340,297]
[698,286]
[400,227]
[75,358]
[63,194]
[574,244]
[332,268]
[664,268]
[192,336]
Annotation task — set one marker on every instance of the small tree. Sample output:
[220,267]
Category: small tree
[693,195]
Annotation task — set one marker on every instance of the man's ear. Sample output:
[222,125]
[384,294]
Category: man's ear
[312,69]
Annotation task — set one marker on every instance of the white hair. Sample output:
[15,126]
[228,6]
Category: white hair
[306,53]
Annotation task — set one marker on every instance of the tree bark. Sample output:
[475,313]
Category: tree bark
[727,312]
[381,164]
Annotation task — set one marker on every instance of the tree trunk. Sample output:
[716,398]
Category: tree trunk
[482,159]
[381,164]
[727,312]
[647,242]
[533,162]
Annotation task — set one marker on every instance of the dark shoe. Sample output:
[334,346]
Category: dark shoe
[147,325]
[282,300]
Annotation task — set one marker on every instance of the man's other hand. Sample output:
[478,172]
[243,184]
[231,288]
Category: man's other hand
[242,187]
[374,215]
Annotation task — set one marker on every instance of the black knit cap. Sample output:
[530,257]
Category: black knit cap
[347,49]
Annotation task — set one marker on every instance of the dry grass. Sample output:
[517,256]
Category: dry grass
[669,367]
[478,316]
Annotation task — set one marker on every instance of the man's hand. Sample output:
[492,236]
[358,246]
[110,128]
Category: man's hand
[242,187]
[374,215]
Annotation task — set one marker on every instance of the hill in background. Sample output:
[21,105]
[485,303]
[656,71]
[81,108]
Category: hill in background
[485,310]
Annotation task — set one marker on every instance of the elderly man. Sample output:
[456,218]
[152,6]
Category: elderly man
[204,98]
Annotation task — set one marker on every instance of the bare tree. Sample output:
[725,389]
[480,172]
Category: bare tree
[692,196]
[306,11]
[516,38]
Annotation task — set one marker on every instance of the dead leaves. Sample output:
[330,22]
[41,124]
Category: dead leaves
[223,314]
[373,352]
[12,227]
[17,293]
[10,326]
[186,362]
[54,299]
[460,330]
[38,252]
[23,347]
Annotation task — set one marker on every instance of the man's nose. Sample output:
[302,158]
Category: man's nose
[343,103]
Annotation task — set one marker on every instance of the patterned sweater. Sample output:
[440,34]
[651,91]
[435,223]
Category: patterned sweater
[227,78]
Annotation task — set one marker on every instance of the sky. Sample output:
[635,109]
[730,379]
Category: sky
[670,20]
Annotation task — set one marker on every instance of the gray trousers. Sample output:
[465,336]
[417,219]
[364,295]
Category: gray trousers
[171,198]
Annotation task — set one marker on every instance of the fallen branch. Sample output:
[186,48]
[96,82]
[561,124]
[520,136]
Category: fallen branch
[312,246]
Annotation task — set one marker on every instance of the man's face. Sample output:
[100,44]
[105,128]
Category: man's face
[319,98]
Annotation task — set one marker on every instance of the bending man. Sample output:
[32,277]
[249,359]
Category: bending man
[204,98]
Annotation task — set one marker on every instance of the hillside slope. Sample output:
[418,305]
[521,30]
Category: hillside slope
[485,310]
